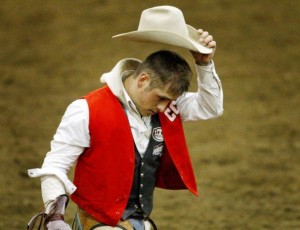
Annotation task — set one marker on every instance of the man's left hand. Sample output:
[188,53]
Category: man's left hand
[206,40]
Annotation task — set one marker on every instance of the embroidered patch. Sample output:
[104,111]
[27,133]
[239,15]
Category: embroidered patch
[157,134]
[172,111]
[158,149]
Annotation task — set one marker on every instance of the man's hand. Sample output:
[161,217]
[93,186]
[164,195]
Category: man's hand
[55,218]
[58,225]
[206,40]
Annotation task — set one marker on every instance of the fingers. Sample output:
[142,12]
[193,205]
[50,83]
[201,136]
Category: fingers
[212,44]
[206,39]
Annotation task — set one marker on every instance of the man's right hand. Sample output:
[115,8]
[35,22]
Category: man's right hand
[55,217]
[58,225]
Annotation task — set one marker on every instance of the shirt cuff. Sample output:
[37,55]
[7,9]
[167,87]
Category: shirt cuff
[208,67]
[207,74]
[38,172]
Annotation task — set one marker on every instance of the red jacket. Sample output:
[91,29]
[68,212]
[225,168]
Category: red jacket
[104,172]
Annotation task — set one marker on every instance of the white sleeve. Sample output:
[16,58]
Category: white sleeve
[51,187]
[70,140]
[207,102]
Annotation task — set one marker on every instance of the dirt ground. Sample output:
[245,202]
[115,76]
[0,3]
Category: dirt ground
[247,162]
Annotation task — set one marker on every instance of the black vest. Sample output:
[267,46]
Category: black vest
[140,203]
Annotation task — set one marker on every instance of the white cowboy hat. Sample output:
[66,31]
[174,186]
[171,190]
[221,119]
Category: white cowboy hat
[166,25]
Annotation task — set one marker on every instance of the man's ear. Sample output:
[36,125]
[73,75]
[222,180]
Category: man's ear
[143,80]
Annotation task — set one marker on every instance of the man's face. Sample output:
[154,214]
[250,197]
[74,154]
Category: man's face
[150,101]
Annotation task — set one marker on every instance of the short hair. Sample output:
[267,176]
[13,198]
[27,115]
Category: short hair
[167,68]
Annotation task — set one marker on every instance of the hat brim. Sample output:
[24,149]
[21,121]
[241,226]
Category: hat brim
[164,37]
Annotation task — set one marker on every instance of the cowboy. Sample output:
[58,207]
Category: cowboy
[127,137]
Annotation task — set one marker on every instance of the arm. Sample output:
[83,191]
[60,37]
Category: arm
[208,101]
[70,140]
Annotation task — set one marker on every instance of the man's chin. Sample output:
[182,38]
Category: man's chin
[148,113]
[153,112]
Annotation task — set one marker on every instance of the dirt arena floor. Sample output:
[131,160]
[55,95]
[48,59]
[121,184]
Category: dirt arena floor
[247,162]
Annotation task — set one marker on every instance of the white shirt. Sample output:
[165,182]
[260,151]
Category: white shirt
[72,135]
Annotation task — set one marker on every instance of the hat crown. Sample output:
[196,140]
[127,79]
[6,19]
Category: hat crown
[167,18]
[166,25]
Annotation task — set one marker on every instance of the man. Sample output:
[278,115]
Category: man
[127,136]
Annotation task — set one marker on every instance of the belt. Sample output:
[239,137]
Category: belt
[138,215]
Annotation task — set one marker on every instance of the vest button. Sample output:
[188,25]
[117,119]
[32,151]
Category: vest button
[141,185]
[136,207]
[141,196]
[142,174]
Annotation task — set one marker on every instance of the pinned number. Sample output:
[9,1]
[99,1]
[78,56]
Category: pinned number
[171,112]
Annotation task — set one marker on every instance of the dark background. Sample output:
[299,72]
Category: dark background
[246,162]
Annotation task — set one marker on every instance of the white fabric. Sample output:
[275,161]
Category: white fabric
[61,177]
[147,225]
[72,135]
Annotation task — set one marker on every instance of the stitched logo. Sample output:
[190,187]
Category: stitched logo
[158,149]
[171,112]
[157,134]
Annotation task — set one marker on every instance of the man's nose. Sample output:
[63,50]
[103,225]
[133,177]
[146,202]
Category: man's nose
[162,106]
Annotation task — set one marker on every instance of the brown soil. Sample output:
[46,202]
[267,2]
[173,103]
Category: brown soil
[246,162]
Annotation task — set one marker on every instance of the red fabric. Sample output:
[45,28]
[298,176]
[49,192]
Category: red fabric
[175,170]
[104,172]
